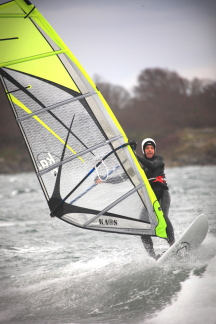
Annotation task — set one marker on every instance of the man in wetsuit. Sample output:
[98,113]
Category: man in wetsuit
[153,166]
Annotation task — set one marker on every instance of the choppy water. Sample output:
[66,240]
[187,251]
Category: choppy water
[51,272]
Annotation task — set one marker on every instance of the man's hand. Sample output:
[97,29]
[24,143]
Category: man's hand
[133,145]
[98,180]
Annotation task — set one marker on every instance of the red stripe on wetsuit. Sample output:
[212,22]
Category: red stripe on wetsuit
[160,178]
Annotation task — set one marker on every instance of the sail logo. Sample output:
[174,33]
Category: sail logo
[45,160]
[108,222]
[183,248]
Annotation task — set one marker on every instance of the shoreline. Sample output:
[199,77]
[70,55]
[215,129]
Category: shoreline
[191,147]
[25,166]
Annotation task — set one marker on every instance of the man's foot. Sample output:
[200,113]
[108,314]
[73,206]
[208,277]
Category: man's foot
[170,241]
[159,255]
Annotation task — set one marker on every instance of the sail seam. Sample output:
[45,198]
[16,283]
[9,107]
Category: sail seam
[12,38]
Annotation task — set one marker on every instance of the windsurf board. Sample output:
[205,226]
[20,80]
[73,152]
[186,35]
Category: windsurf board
[189,240]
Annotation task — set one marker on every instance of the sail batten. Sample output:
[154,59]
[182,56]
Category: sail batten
[114,204]
[82,157]
[15,15]
[31,58]
[59,104]
[77,155]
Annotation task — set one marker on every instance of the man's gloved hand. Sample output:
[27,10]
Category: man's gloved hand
[133,145]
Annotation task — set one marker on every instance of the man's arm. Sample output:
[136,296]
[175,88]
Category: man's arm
[153,165]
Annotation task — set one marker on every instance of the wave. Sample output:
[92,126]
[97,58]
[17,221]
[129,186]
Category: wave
[195,302]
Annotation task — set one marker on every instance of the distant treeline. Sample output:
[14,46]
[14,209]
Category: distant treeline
[162,102]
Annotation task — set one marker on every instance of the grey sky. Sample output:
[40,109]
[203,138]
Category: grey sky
[116,39]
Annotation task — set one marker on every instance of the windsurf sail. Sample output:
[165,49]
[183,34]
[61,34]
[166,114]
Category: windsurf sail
[86,168]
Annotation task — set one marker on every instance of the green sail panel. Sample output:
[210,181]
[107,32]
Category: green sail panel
[71,133]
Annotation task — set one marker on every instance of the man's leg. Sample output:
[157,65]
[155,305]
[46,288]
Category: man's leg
[148,244]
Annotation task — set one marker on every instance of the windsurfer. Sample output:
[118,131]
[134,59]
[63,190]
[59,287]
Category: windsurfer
[153,166]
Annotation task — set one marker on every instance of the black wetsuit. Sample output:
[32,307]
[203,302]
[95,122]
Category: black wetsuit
[154,170]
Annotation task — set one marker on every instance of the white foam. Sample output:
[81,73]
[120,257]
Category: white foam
[196,302]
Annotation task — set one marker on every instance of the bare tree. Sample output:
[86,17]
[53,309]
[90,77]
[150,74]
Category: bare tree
[116,96]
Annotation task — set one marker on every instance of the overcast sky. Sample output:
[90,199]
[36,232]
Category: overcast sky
[117,39]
